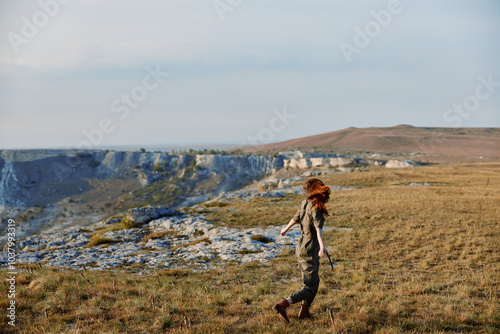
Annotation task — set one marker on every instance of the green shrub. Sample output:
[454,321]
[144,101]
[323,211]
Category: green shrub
[127,222]
[159,167]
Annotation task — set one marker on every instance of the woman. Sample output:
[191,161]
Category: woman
[310,247]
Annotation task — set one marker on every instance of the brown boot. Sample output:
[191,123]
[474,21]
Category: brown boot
[281,309]
[304,312]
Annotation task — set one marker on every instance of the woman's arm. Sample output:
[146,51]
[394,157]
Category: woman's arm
[322,251]
[285,229]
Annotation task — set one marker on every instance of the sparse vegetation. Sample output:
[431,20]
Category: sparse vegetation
[127,222]
[97,240]
[247,251]
[205,240]
[159,167]
[419,260]
[198,233]
[157,235]
[216,204]
[261,238]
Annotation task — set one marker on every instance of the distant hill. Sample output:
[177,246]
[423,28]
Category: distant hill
[429,144]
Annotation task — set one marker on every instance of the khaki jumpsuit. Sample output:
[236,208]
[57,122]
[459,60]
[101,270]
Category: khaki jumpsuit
[307,252]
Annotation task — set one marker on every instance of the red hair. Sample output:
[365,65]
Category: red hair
[318,193]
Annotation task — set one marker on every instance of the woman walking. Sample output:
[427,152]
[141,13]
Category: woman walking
[310,247]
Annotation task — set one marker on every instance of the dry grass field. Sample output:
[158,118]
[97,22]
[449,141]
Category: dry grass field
[420,259]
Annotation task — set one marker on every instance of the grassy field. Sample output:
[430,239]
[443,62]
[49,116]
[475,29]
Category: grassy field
[419,259]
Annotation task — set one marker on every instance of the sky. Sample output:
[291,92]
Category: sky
[93,73]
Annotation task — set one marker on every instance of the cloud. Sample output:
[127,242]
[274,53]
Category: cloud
[227,76]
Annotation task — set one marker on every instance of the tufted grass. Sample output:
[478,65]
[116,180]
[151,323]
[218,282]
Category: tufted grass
[97,240]
[261,238]
[157,235]
[418,260]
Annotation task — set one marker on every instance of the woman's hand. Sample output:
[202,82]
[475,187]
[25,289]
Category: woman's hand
[286,228]
[322,250]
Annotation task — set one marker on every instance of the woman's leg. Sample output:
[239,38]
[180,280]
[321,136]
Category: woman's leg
[309,269]
[309,299]
[310,278]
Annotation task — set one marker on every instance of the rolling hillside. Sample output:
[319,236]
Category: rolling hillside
[429,144]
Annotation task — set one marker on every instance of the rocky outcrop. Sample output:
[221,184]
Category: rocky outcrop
[304,161]
[400,164]
[54,180]
[307,160]
[178,241]
[40,177]
[138,216]
[150,238]
[27,176]
[49,178]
